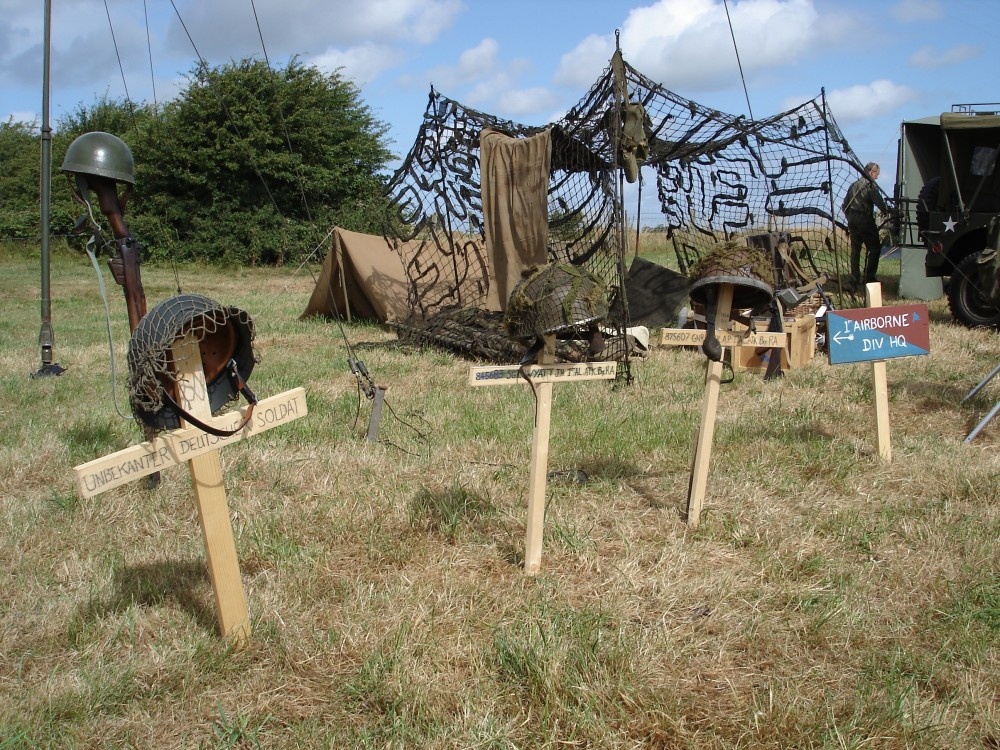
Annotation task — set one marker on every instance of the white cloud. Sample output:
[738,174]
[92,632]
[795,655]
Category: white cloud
[688,45]
[581,66]
[493,81]
[479,63]
[304,26]
[488,89]
[362,64]
[480,60]
[866,101]
[926,57]
[526,101]
[916,11]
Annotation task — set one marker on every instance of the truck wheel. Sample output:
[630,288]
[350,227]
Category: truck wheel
[966,300]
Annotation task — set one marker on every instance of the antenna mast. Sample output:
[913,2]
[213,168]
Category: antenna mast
[46,338]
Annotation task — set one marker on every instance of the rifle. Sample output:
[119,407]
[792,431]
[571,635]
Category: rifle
[124,267]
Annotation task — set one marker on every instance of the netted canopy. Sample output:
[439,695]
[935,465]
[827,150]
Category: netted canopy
[717,178]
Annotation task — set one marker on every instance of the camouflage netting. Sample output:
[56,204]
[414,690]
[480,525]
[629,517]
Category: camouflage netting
[558,298]
[222,333]
[716,177]
[748,269]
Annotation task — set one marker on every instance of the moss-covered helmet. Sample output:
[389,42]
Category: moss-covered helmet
[555,299]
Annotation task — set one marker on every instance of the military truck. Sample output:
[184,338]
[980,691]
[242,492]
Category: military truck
[947,192]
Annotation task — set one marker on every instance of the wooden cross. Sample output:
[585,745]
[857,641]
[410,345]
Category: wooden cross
[542,375]
[200,450]
[703,443]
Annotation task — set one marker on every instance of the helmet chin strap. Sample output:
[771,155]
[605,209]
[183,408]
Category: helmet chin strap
[81,194]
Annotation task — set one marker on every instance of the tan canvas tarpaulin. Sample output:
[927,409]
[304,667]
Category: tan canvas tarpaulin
[514,180]
[378,286]
[372,274]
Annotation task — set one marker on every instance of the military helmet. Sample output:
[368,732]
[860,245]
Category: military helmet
[555,298]
[733,262]
[224,334]
[100,154]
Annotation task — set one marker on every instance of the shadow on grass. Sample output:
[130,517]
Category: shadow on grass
[936,396]
[182,584]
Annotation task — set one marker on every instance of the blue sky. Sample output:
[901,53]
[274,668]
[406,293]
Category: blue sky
[879,61]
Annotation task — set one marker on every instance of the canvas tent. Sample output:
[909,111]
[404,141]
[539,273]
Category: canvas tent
[363,276]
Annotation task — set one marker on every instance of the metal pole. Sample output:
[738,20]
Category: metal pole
[46,337]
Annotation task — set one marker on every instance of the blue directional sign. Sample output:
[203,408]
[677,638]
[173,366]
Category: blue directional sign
[875,333]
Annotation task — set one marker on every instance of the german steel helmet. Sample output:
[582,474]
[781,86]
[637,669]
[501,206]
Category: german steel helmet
[100,154]
[734,262]
[225,342]
[555,298]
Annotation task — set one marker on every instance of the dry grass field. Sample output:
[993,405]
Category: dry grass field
[827,599]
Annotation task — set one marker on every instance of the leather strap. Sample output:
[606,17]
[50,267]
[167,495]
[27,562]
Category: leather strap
[234,374]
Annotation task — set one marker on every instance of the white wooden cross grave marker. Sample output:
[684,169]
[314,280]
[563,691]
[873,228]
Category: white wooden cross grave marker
[542,376]
[200,450]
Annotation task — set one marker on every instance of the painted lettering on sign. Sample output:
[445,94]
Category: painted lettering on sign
[177,446]
[868,334]
[509,374]
[694,337]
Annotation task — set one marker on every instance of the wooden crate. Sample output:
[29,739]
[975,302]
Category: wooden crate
[798,352]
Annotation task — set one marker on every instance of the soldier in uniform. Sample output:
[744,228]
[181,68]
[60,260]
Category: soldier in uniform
[863,197]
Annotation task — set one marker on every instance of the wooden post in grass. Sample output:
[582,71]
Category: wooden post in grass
[880,383]
[542,376]
[200,450]
[538,474]
[703,445]
[875,334]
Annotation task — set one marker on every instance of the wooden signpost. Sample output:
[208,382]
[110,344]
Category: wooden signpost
[703,442]
[542,377]
[200,451]
[695,337]
[875,334]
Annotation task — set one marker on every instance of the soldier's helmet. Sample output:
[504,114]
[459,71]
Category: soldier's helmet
[734,262]
[102,155]
[557,298]
[225,338]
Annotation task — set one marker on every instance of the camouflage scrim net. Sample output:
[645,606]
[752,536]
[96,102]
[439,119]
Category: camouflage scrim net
[748,269]
[222,333]
[558,298]
[715,177]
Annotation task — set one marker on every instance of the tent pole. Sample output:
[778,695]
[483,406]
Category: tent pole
[343,277]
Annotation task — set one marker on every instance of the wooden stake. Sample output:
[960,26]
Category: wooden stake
[539,465]
[213,509]
[881,386]
[542,375]
[703,450]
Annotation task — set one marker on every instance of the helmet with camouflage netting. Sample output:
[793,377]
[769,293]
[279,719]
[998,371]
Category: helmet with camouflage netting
[225,338]
[558,299]
[734,262]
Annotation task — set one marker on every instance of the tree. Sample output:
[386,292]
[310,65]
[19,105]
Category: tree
[19,155]
[248,165]
[252,164]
